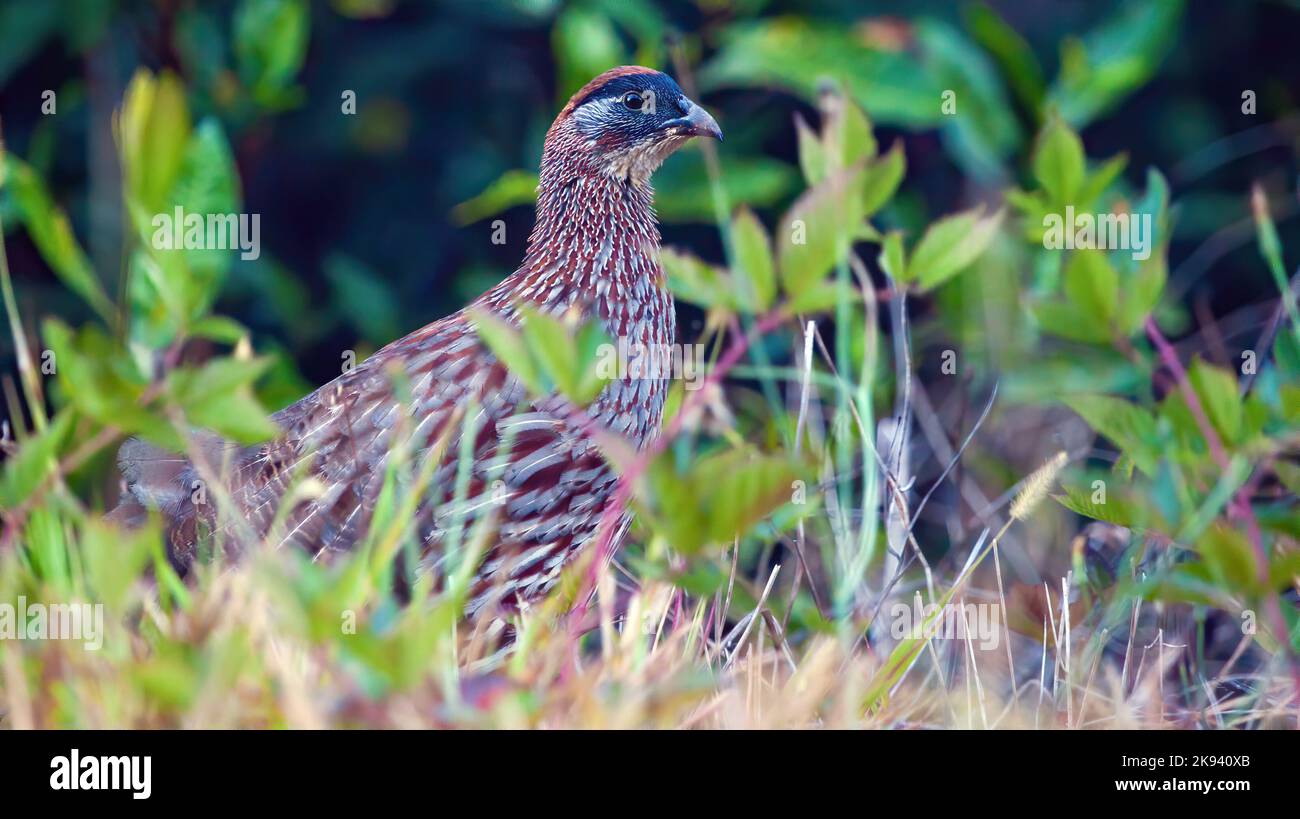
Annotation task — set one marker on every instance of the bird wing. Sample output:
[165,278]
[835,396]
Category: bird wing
[413,405]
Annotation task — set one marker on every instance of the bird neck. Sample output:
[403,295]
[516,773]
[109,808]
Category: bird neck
[595,238]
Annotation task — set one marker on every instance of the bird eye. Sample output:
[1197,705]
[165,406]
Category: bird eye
[633,100]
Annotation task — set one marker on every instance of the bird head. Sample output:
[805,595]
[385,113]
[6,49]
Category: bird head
[626,121]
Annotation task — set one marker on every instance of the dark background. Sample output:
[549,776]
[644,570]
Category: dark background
[359,240]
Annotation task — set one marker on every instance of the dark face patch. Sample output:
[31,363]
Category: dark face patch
[630,109]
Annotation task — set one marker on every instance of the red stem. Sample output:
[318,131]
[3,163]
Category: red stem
[623,491]
[1241,499]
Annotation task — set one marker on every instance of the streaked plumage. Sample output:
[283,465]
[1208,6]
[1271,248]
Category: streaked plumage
[593,249]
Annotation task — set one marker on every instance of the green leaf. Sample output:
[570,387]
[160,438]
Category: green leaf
[1130,427]
[1092,285]
[208,184]
[1114,510]
[818,229]
[753,251]
[1289,474]
[1059,161]
[218,397]
[893,258]
[591,345]
[363,297]
[51,232]
[510,189]
[153,130]
[1099,181]
[114,558]
[881,179]
[1115,58]
[36,460]
[270,44]
[848,136]
[685,193]
[950,245]
[982,132]
[812,156]
[741,488]
[585,43]
[720,497]
[1069,322]
[548,341]
[1217,390]
[1142,292]
[508,346]
[823,296]
[220,329]
[1230,557]
[789,52]
[190,386]
[695,281]
[1019,65]
[97,377]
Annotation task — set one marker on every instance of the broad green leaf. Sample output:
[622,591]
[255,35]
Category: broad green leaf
[1067,321]
[214,378]
[218,397]
[1019,65]
[812,156]
[981,132]
[270,45]
[153,130]
[1100,180]
[585,43]
[99,379]
[1092,285]
[891,83]
[1130,427]
[208,184]
[508,346]
[753,251]
[36,460]
[1141,293]
[1217,390]
[720,497]
[51,232]
[1114,58]
[823,296]
[881,179]
[848,137]
[552,349]
[893,258]
[950,245]
[1059,161]
[592,345]
[506,191]
[684,191]
[696,281]
[1115,510]
[818,229]
[741,488]
[1230,557]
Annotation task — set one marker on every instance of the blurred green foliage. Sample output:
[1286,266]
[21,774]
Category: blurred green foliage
[909,257]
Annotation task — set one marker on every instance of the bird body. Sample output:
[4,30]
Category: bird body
[593,250]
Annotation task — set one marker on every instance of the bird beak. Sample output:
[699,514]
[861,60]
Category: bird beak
[697,122]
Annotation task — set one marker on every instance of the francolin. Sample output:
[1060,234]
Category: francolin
[593,250]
